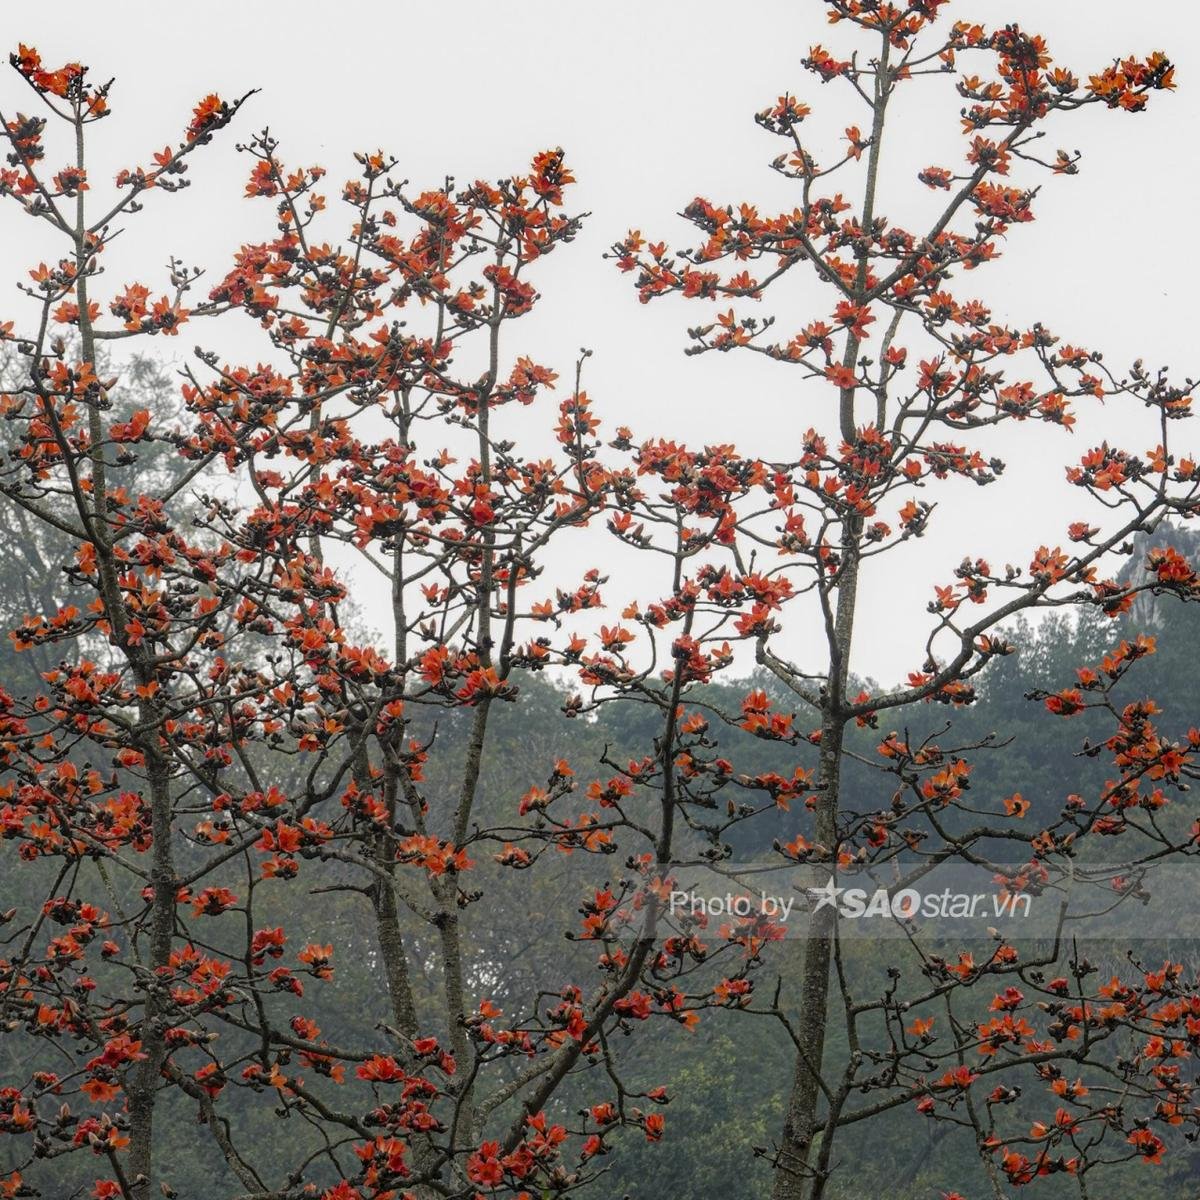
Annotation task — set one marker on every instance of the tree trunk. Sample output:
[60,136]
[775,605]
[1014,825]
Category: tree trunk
[142,1088]
[800,1121]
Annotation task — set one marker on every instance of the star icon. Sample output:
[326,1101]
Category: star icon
[826,896]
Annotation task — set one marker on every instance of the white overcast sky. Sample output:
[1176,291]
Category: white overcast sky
[654,104]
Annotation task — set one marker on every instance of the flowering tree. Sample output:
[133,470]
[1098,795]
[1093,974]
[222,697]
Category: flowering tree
[255,863]
[912,412]
[213,748]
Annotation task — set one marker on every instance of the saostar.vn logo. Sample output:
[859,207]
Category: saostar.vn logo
[907,904]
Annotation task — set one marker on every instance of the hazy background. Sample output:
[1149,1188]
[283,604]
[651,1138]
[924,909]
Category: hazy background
[654,104]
